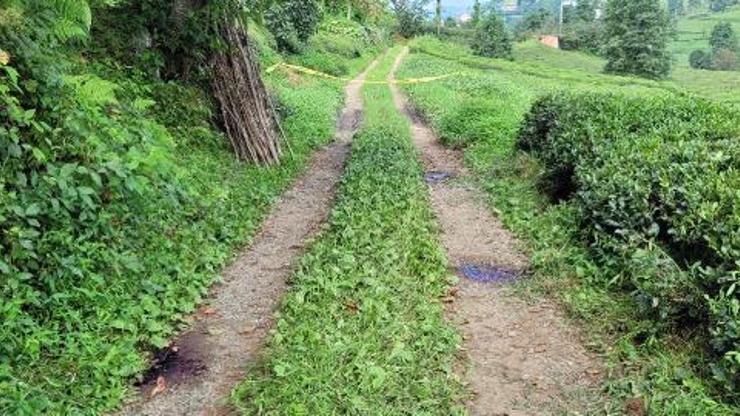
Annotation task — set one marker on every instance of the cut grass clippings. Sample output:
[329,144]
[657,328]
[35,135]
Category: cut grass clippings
[362,330]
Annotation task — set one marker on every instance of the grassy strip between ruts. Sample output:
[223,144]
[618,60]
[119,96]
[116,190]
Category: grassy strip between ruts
[483,111]
[362,330]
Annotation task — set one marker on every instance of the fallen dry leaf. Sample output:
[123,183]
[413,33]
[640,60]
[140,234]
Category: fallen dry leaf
[635,407]
[208,311]
[350,306]
[4,57]
[159,388]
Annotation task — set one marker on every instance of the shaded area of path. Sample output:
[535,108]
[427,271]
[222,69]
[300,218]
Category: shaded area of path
[209,360]
[523,359]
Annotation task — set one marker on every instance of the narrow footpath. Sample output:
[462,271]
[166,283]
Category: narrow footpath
[206,362]
[522,359]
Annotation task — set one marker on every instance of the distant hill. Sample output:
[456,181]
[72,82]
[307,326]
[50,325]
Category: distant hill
[693,32]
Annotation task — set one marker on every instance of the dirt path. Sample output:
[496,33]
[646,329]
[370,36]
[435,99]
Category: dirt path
[523,359]
[208,360]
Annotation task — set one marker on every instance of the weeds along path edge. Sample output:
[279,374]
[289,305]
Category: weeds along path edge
[210,357]
[522,358]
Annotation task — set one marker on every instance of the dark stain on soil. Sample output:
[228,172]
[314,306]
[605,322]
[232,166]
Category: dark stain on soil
[350,120]
[437,177]
[176,363]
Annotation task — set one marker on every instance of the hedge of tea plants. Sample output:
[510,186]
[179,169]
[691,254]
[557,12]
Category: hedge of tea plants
[668,369]
[657,182]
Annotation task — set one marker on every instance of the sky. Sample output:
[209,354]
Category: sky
[455,7]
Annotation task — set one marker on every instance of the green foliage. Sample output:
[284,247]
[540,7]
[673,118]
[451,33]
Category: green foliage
[672,371]
[292,22]
[119,203]
[723,54]
[655,182]
[582,30]
[721,5]
[410,16]
[362,330]
[491,38]
[533,23]
[723,37]
[700,59]
[337,42]
[636,34]
[477,14]
[725,60]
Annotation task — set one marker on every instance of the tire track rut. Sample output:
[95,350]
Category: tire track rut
[523,359]
[209,359]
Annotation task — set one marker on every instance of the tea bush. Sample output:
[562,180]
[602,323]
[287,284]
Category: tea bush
[660,173]
[669,367]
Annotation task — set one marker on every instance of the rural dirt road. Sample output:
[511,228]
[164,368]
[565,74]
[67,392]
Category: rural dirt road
[523,359]
[206,362]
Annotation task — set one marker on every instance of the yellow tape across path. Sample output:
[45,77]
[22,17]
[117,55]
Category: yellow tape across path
[314,72]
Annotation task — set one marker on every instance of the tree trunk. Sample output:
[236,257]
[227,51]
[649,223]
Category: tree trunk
[439,17]
[247,113]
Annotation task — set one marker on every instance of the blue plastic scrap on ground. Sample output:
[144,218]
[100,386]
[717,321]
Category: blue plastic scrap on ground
[437,177]
[489,274]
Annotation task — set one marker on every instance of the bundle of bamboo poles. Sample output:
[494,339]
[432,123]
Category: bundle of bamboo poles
[247,113]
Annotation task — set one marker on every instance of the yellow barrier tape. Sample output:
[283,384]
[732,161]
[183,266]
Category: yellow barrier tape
[314,72]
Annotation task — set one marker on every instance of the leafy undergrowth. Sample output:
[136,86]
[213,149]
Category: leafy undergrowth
[141,202]
[338,42]
[362,329]
[667,370]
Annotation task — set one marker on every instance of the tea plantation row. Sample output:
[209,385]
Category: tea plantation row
[641,238]
[659,173]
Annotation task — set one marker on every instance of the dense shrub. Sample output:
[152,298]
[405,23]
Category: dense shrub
[699,59]
[327,63]
[724,60]
[533,23]
[723,55]
[582,30]
[656,183]
[491,38]
[411,15]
